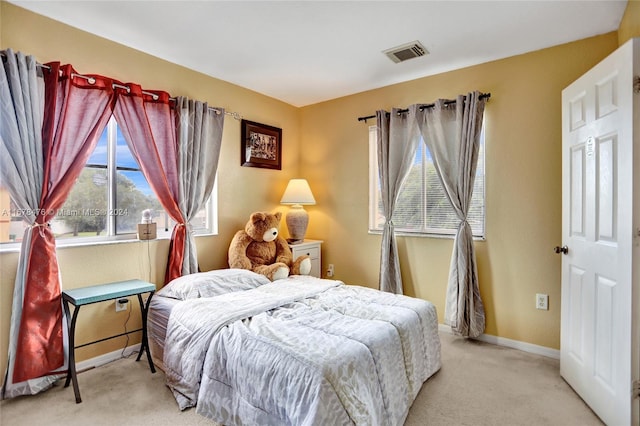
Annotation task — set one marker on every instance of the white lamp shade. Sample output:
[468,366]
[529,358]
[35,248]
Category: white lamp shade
[298,192]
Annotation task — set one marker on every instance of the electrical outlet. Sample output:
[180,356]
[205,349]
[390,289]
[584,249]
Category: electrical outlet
[121,305]
[330,270]
[542,301]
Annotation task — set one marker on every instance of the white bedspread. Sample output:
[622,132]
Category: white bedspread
[301,351]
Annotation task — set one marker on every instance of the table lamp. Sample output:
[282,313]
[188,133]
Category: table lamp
[297,193]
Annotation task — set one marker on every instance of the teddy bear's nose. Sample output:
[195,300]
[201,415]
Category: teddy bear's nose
[275,233]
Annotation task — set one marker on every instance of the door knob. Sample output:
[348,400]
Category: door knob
[563,249]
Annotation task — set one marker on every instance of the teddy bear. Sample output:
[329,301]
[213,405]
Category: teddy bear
[261,249]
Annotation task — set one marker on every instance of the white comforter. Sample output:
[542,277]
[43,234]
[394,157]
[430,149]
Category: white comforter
[301,351]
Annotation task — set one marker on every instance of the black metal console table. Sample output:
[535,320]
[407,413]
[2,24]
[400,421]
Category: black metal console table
[101,293]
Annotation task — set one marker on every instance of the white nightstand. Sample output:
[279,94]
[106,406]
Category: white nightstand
[312,249]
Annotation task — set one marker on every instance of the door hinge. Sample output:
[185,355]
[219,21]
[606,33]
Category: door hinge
[636,389]
[636,84]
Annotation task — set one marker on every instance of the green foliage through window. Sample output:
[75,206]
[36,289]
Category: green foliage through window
[106,201]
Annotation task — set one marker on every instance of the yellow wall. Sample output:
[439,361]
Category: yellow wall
[326,144]
[523,186]
[5,215]
[242,190]
[630,24]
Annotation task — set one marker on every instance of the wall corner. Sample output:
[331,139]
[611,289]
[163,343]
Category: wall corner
[630,23]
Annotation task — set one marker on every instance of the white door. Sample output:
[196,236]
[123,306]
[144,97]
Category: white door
[599,328]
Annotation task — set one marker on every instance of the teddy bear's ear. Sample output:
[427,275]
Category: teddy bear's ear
[257,217]
[278,216]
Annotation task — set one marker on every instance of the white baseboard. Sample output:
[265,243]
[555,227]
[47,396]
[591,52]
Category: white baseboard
[509,343]
[105,358]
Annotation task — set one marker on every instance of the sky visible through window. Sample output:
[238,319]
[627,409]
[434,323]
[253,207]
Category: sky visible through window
[124,158]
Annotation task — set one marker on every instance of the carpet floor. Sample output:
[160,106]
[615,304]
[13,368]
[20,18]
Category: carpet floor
[478,384]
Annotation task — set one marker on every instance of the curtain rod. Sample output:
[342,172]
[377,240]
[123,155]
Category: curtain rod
[235,115]
[38,64]
[423,107]
[92,80]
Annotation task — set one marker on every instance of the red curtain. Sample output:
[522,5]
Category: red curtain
[148,124]
[76,112]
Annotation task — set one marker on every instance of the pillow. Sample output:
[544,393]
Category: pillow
[212,283]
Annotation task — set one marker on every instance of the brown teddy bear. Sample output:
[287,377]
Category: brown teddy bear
[261,249]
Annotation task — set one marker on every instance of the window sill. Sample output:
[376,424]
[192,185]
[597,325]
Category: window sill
[61,244]
[425,235]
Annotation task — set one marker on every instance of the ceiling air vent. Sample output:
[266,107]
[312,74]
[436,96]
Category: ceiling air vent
[406,51]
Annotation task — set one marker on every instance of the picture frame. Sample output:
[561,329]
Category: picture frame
[260,146]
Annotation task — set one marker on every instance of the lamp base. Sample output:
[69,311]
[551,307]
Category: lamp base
[294,242]
[147,231]
[297,221]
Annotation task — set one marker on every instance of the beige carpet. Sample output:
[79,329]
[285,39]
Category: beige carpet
[479,384]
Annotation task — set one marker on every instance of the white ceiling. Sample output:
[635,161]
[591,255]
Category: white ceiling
[304,52]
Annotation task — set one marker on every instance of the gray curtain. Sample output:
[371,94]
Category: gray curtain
[398,139]
[452,134]
[199,130]
[21,171]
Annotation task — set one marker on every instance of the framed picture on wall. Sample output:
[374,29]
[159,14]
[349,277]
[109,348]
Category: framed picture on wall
[260,146]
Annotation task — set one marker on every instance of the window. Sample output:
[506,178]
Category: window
[422,207]
[107,200]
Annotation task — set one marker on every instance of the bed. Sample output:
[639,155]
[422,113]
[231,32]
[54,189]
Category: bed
[297,351]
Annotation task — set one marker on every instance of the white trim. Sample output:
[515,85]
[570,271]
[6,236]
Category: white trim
[106,358]
[509,343]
